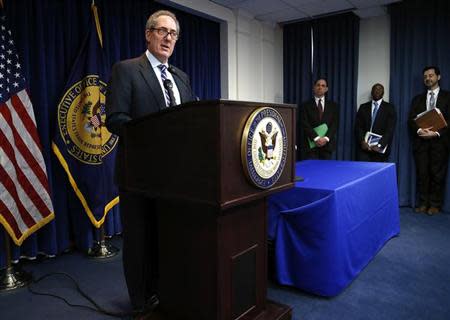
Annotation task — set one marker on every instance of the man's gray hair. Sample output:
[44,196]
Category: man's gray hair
[151,22]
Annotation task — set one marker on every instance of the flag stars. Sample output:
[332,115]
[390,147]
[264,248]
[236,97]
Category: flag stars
[8,61]
[17,75]
[18,65]
[11,42]
[15,84]
[9,51]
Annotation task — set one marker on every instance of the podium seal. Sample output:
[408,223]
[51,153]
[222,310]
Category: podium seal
[264,147]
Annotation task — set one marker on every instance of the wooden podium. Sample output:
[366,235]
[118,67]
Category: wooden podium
[212,219]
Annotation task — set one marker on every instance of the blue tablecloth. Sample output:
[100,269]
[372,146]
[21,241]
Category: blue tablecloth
[328,227]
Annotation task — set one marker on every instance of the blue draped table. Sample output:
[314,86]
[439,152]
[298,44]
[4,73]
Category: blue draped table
[328,227]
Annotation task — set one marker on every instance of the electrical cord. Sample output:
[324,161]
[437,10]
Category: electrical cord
[95,308]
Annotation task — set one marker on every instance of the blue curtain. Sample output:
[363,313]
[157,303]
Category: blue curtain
[419,37]
[336,47]
[48,35]
[297,67]
[335,57]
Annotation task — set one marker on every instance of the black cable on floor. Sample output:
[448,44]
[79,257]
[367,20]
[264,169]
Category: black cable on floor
[95,308]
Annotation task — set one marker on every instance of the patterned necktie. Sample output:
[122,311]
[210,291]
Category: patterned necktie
[432,101]
[163,69]
[320,108]
[374,113]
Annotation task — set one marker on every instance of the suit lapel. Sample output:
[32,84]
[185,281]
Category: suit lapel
[326,110]
[378,115]
[184,94]
[440,99]
[152,81]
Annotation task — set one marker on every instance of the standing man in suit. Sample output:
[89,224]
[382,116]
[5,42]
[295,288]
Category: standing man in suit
[139,87]
[313,113]
[430,148]
[379,117]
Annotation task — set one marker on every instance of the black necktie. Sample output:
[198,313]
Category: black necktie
[320,108]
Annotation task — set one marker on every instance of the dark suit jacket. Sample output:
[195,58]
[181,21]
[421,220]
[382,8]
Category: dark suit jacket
[384,125]
[418,105]
[134,91]
[309,119]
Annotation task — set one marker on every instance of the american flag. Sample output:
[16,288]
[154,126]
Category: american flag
[25,203]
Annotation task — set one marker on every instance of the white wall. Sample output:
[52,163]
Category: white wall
[374,56]
[251,52]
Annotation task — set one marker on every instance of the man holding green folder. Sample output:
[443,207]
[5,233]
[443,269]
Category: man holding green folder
[319,120]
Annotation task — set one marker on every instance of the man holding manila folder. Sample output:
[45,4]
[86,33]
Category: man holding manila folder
[430,141]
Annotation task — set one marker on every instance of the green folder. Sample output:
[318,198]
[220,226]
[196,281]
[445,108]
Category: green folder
[321,132]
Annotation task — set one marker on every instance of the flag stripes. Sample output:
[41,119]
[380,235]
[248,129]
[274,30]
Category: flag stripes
[25,203]
[25,199]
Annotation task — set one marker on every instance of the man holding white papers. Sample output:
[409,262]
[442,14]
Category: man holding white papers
[319,119]
[374,127]
[430,148]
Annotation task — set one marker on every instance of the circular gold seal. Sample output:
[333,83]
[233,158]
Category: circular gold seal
[81,120]
[264,147]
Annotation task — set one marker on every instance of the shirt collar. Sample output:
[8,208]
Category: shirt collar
[153,60]
[435,91]
[317,99]
[378,102]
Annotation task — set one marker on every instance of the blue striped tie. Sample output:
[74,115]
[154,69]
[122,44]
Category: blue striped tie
[432,101]
[163,69]
[374,113]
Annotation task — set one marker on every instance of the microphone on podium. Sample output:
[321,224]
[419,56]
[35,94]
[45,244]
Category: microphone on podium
[174,72]
[168,85]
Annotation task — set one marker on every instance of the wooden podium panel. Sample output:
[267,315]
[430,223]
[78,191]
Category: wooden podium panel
[211,220]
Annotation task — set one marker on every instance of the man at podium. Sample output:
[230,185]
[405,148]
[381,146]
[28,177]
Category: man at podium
[138,87]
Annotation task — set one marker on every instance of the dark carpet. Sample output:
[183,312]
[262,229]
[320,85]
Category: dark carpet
[408,279]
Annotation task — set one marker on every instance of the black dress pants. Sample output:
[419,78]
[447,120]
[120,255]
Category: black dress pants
[318,153]
[370,156]
[140,247]
[431,157]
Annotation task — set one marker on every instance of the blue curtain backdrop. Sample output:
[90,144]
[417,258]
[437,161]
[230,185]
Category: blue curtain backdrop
[336,47]
[419,37]
[335,57]
[48,35]
[297,67]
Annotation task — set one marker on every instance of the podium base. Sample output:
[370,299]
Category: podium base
[273,311]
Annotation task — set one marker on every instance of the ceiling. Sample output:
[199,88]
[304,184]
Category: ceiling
[281,11]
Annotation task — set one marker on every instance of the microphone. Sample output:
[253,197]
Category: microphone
[173,71]
[168,85]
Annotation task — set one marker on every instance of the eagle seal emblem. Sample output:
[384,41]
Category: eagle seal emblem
[264,147]
[81,120]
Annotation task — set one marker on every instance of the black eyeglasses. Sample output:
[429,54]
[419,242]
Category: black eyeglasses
[163,32]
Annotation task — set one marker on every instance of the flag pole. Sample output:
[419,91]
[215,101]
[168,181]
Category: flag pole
[101,249]
[12,278]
